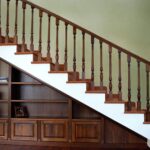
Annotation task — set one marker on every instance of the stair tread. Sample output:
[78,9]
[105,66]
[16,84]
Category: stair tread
[115,101]
[97,89]
[58,72]
[135,112]
[40,62]
[80,81]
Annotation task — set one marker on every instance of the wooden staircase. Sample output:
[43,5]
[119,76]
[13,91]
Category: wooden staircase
[77,74]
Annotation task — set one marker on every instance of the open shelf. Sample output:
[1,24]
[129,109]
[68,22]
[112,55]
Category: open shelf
[26,83]
[3,101]
[46,110]
[40,101]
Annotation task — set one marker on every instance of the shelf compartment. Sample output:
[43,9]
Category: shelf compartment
[3,110]
[46,110]
[4,69]
[36,92]
[19,76]
[4,92]
[83,112]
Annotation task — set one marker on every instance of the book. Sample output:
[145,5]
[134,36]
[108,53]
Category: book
[3,81]
[3,78]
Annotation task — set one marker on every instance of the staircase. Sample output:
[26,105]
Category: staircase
[79,71]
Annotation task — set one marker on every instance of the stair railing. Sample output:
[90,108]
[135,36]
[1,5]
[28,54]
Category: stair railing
[85,34]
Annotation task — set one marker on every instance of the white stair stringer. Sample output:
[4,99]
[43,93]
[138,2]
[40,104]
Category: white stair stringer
[95,101]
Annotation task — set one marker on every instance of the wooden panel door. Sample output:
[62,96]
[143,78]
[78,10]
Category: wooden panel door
[23,129]
[3,129]
[54,130]
[87,131]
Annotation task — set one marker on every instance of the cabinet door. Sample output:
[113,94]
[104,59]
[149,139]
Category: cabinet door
[87,131]
[54,130]
[22,129]
[3,129]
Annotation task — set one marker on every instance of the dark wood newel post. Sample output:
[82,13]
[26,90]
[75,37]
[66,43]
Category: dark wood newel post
[23,49]
[16,23]
[7,23]
[48,39]
[74,52]
[66,47]
[40,35]
[57,43]
[129,106]
[139,87]
[32,29]
[120,76]
[92,63]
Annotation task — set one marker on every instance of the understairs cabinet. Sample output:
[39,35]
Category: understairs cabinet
[33,113]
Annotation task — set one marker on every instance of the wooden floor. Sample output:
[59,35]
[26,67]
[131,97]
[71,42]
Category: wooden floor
[20,147]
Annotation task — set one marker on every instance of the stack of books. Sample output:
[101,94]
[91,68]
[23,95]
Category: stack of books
[3,79]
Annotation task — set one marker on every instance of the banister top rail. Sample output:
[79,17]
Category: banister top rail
[88,32]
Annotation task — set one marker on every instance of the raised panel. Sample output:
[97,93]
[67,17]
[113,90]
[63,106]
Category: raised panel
[54,130]
[87,131]
[3,129]
[115,133]
[24,129]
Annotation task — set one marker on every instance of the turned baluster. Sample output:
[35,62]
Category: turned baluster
[32,29]
[40,34]
[48,39]
[74,52]
[16,23]
[57,43]
[101,64]
[66,46]
[83,55]
[139,87]
[23,49]
[147,88]
[120,76]
[129,106]
[92,63]
[110,71]
[7,23]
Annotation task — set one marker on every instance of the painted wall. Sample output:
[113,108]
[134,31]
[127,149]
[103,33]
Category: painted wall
[124,22]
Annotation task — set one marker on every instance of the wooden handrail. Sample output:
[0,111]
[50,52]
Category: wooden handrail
[88,32]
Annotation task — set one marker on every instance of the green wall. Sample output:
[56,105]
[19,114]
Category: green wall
[124,22]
